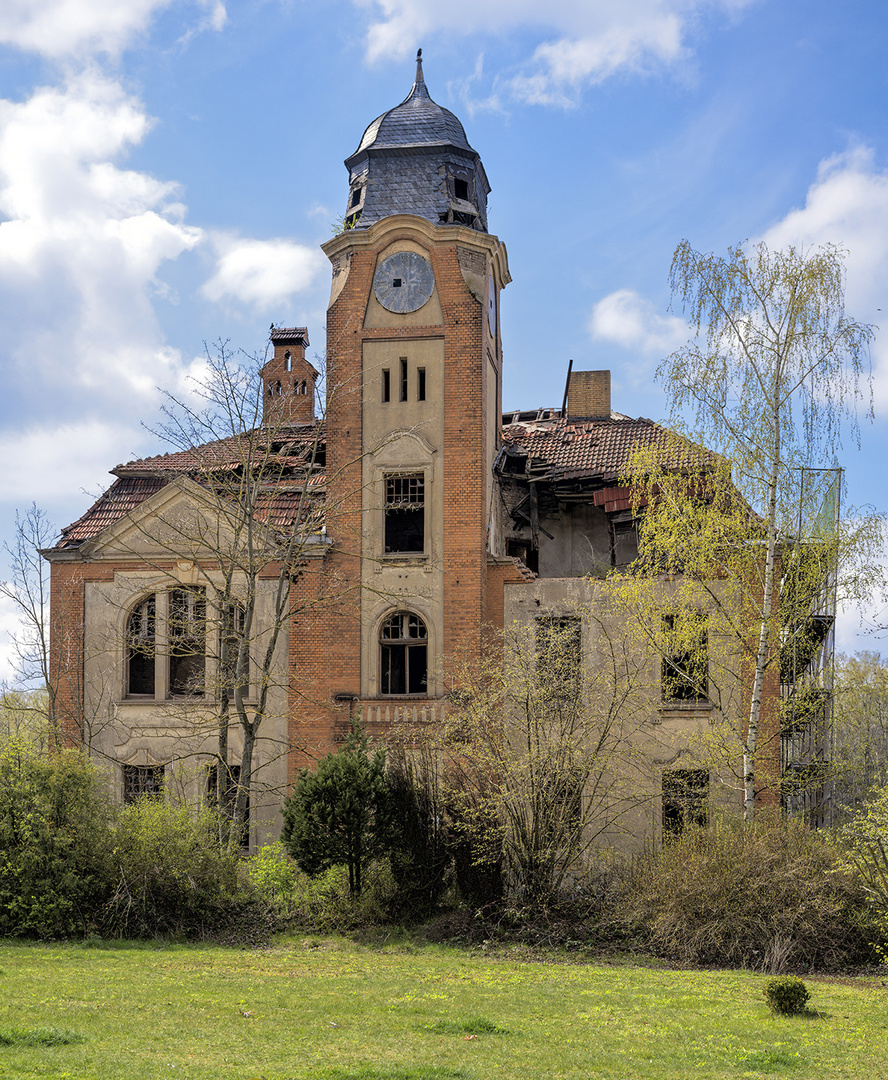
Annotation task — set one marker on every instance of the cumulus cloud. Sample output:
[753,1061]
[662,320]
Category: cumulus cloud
[262,273]
[81,245]
[587,42]
[848,205]
[76,28]
[629,320]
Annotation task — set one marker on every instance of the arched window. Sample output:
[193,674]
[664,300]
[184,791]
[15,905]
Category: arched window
[403,655]
[140,639]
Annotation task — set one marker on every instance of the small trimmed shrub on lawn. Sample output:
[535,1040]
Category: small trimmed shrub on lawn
[786,995]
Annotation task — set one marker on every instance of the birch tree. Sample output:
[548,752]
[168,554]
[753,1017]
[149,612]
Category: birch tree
[773,376]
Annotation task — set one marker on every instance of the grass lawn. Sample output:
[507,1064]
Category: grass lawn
[318,1008]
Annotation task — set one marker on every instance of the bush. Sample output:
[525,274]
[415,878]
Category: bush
[786,995]
[171,876]
[420,845]
[765,896]
[339,814]
[54,839]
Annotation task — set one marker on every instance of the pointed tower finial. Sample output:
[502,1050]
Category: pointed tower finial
[419,77]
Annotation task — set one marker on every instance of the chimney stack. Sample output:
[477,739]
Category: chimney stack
[588,394]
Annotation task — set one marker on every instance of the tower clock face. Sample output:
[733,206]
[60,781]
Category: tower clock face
[403,282]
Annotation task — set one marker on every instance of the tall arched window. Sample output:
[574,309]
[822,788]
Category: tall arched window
[140,639]
[403,654]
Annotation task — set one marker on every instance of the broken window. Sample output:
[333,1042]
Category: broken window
[522,549]
[685,666]
[403,652]
[187,641]
[460,188]
[355,198]
[405,513]
[624,543]
[140,648]
[559,654]
[685,795]
[142,782]
[234,668]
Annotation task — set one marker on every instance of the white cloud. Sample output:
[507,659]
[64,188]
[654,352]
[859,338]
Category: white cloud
[76,28]
[10,625]
[55,460]
[81,247]
[588,41]
[630,321]
[262,273]
[57,28]
[848,205]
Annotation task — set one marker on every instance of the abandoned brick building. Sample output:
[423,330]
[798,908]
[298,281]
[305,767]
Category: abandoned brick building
[424,514]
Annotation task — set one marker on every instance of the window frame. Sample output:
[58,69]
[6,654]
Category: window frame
[559,676]
[684,678]
[193,637]
[685,801]
[142,782]
[394,502]
[388,647]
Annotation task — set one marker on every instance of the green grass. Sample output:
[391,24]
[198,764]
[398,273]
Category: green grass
[332,1010]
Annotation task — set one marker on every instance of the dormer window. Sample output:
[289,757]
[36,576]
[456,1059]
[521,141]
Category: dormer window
[355,197]
[460,188]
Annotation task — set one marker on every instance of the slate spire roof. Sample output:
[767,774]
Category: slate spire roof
[417,121]
[415,159]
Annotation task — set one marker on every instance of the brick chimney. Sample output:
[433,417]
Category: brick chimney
[288,379]
[588,394]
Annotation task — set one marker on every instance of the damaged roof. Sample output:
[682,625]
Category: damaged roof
[282,504]
[560,448]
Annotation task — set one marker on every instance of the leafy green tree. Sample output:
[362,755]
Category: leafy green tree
[860,728]
[54,841]
[774,371]
[340,813]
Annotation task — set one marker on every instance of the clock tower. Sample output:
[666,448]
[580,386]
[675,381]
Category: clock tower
[414,385]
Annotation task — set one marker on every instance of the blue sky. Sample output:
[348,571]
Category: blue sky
[168,169]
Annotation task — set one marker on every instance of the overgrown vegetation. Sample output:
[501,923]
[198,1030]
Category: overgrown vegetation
[71,863]
[768,896]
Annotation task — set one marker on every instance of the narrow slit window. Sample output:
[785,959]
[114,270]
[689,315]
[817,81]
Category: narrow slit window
[420,384]
[386,385]
[403,378]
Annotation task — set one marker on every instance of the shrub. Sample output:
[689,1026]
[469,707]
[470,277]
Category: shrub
[171,876]
[420,846]
[765,896]
[54,830]
[866,855]
[786,995]
[277,881]
[339,814]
